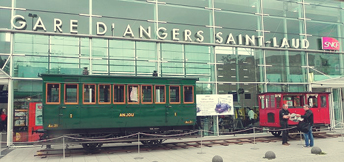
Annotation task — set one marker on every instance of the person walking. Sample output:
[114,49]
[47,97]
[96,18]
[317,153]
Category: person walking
[284,115]
[308,118]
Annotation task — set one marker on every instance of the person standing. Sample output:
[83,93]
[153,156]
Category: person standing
[251,116]
[3,120]
[284,115]
[308,118]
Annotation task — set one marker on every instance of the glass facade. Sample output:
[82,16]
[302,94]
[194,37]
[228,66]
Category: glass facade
[254,45]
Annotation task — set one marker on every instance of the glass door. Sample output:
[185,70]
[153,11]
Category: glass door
[337,113]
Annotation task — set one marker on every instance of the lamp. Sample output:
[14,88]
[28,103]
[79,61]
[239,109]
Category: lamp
[32,16]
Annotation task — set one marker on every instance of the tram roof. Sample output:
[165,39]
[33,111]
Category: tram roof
[114,76]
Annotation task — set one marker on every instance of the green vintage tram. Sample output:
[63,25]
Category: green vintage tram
[93,105]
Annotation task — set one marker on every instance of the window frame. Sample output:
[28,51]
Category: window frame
[77,94]
[46,94]
[148,85]
[193,98]
[124,95]
[169,90]
[83,94]
[138,97]
[99,94]
[156,93]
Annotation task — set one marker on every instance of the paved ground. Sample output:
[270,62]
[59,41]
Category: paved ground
[333,147]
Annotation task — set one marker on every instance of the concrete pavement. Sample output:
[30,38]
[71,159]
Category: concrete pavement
[333,147]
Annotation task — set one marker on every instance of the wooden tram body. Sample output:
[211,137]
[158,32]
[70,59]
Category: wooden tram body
[271,103]
[90,105]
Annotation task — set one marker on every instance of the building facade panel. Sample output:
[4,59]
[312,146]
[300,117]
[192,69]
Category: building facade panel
[232,46]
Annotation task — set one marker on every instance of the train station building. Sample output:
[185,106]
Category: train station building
[239,47]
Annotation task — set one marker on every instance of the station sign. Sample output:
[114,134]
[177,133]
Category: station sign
[19,22]
[329,43]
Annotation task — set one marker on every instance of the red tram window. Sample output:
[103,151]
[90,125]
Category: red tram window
[312,100]
[294,101]
[147,94]
[174,95]
[52,93]
[188,94]
[160,94]
[278,101]
[133,94]
[118,94]
[262,101]
[104,93]
[71,94]
[323,101]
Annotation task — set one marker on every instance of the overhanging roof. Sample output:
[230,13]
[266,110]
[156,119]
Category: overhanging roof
[329,83]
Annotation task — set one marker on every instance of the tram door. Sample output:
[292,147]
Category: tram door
[173,104]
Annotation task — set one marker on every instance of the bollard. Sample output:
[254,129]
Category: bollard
[270,155]
[316,150]
[63,147]
[254,139]
[201,143]
[138,147]
[217,158]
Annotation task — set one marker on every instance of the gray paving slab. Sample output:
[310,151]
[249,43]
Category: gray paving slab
[333,148]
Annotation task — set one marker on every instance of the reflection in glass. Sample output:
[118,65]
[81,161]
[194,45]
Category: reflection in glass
[118,91]
[147,94]
[133,93]
[104,93]
[89,93]
[71,93]
[159,94]
[174,94]
[53,93]
[188,94]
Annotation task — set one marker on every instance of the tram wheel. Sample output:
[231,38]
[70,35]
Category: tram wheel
[276,133]
[92,147]
[293,133]
[151,142]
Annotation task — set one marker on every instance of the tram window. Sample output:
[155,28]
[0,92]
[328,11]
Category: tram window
[89,94]
[272,101]
[312,101]
[267,101]
[71,94]
[104,94]
[262,102]
[323,101]
[133,94]
[52,93]
[188,94]
[174,94]
[118,94]
[294,101]
[160,94]
[147,94]
[278,101]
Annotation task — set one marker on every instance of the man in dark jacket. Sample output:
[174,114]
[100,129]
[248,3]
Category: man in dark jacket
[308,118]
[284,115]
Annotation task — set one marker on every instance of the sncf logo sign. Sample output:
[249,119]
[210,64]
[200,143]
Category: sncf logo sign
[329,43]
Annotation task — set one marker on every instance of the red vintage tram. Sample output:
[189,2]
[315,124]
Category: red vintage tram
[271,103]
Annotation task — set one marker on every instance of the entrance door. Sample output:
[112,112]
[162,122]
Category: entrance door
[337,113]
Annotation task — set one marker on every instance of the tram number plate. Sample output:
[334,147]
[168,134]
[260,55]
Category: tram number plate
[126,114]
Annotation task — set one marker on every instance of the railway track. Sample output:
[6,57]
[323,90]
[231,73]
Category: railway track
[192,143]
